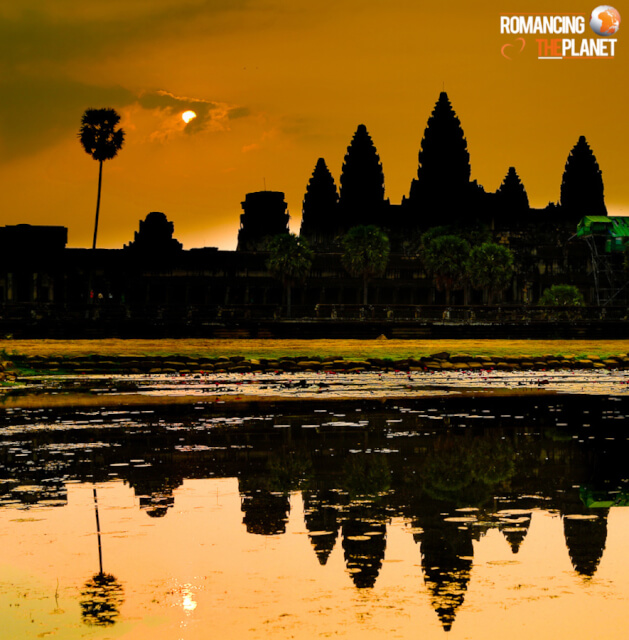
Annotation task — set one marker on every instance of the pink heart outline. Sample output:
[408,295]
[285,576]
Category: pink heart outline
[510,44]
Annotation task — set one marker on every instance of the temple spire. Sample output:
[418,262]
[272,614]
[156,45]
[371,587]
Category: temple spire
[443,174]
[582,191]
[362,183]
[320,208]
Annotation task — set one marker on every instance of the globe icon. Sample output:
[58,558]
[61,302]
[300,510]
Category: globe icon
[605,20]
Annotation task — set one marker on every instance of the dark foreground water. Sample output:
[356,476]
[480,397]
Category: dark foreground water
[465,517]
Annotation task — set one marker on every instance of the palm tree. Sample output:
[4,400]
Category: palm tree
[365,253]
[289,259]
[490,267]
[101,139]
[445,257]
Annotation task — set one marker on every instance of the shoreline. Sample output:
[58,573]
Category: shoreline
[334,364]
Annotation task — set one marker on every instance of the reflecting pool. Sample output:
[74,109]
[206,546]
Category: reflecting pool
[466,516]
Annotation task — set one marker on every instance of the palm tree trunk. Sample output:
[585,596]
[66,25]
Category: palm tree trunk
[100,182]
[288,290]
[365,290]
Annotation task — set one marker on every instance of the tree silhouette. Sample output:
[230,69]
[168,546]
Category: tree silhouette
[490,267]
[320,210]
[102,140]
[362,182]
[289,259]
[445,257]
[365,253]
[582,184]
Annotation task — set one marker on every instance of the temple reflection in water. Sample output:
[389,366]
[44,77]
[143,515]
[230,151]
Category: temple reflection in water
[452,469]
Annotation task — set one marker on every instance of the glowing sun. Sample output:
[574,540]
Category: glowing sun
[186,116]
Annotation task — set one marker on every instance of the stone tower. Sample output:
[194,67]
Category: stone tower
[264,216]
[362,183]
[320,210]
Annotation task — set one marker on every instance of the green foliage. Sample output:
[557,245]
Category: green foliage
[289,472]
[366,475]
[562,295]
[462,467]
[290,258]
[366,252]
[490,267]
[437,232]
[445,257]
[475,233]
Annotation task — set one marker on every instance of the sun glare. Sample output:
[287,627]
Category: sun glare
[186,116]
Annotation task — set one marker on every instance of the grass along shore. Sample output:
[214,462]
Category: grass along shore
[358,350]
[46,357]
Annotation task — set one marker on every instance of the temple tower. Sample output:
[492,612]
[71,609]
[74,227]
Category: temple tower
[582,191]
[362,183]
[264,216]
[320,210]
[442,187]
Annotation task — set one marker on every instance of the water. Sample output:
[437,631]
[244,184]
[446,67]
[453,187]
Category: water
[466,515]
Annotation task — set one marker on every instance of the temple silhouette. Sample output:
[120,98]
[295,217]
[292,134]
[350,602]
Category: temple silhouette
[350,490]
[443,193]
[153,284]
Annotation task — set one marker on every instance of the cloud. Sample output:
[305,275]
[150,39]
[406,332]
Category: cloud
[36,113]
[239,112]
[211,116]
[32,31]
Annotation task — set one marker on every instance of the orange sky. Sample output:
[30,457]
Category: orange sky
[277,85]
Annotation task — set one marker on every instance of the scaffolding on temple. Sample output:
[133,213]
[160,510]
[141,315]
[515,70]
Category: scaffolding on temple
[607,237]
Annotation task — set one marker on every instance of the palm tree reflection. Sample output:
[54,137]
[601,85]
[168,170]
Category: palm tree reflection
[101,599]
[102,595]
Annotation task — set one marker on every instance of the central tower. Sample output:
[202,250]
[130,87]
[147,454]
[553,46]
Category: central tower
[442,186]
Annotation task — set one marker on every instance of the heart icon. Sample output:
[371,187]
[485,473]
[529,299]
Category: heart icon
[505,47]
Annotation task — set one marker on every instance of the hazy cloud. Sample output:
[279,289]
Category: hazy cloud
[239,112]
[211,116]
[33,31]
[35,113]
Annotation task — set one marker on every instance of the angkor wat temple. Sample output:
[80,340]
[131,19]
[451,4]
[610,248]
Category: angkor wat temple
[154,275]
[462,468]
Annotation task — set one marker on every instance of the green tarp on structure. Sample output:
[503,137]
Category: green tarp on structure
[603,499]
[614,229]
[614,226]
